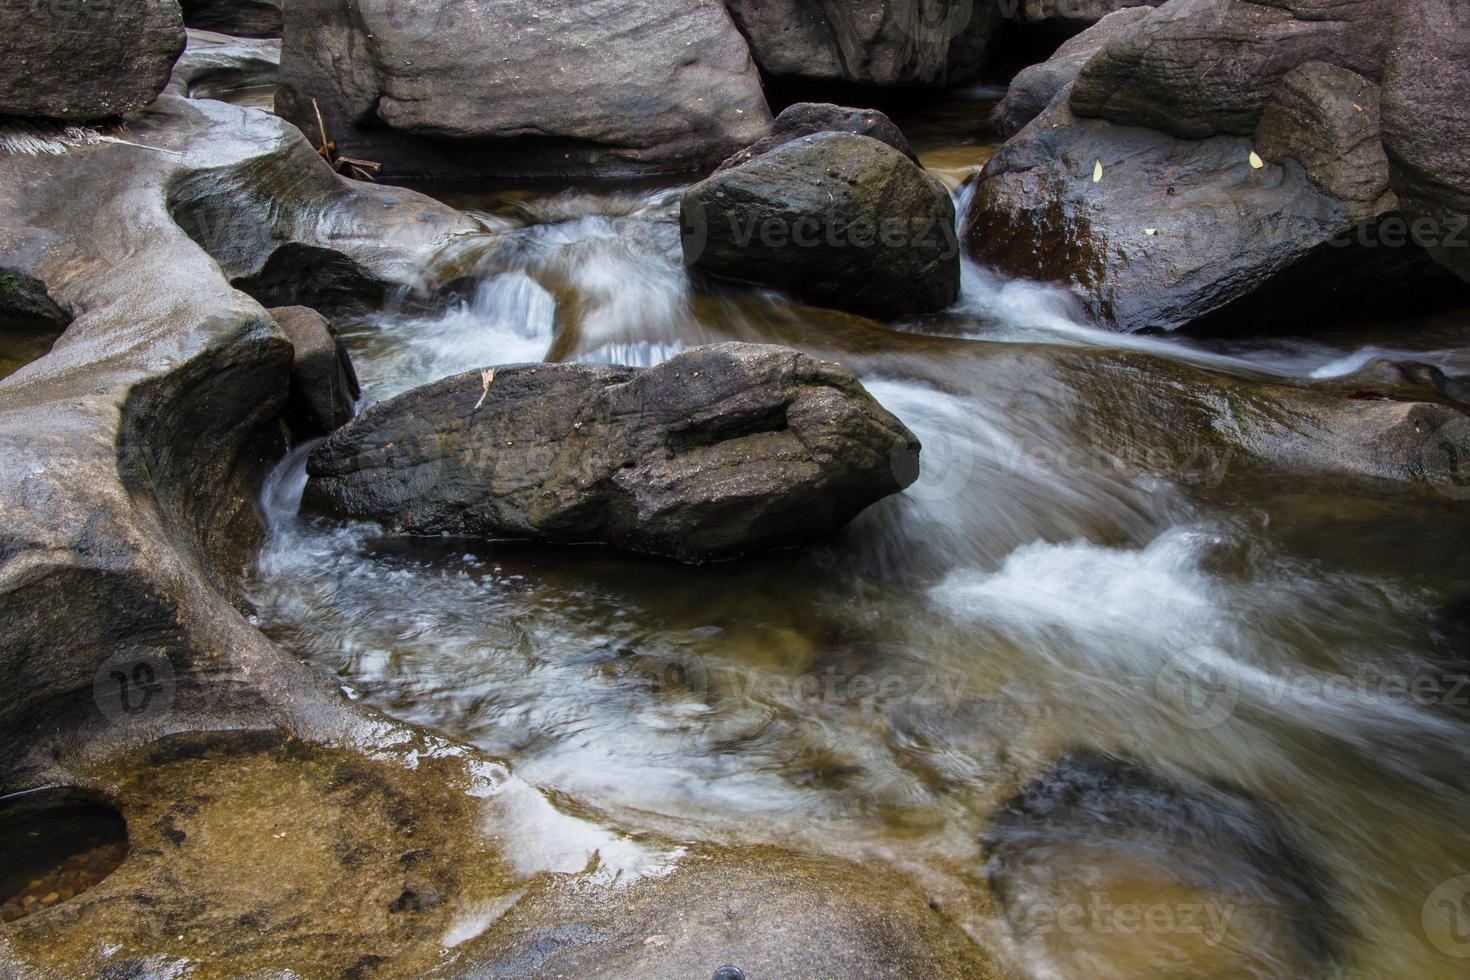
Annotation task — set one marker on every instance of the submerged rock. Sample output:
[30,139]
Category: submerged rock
[836,219]
[930,43]
[324,388]
[83,61]
[516,87]
[721,451]
[1223,888]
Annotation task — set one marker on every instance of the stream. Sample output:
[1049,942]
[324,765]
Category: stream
[879,696]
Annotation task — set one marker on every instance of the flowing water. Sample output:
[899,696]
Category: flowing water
[881,695]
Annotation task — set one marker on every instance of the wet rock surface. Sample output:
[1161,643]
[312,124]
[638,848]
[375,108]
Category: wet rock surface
[869,42]
[723,450]
[1094,831]
[836,219]
[215,65]
[507,87]
[83,61]
[324,388]
[810,118]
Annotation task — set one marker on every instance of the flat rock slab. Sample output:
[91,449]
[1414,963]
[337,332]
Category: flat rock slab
[723,450]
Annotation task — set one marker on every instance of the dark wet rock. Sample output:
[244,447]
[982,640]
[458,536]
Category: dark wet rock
[215,64]
[775,914]
[1426,124]
[1072,16]
[1327,119]
[869,42]
[836,219]
[723,450]
[238,18]
[82,61]
[1201,68]
[1415,380]
[1187,232]
[25,304]
[324,388]
[134,448]
[1033,88]
[511,87]
[1092,821]
[810,118]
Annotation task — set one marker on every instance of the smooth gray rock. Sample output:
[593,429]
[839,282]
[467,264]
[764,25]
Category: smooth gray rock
[810,118]
[215,65]
[522,86]
[1033,88]
[926,43]
[324,388]
[75,60]
[721,451]
[835,219]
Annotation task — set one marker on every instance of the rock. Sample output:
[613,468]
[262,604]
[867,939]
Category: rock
[214,65]
[515,87]
[810,118]
[237,18]
[835,219]
[324,388]
[83,61]
[775,914]
[1201,68]
[133,450]
[1426,124]
[1185,232]
[1327,119]
[1092,822]
[1410,380]
[869,42]
[720,451]
[25,304]
[1072,16]
[1033,88]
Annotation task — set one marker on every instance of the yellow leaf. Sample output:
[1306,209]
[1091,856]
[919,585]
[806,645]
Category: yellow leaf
[1097,173]
[1256,162]
[1150,232]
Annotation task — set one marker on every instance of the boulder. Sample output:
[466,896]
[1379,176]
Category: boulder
[720,451]
[324,388]
[83,61]
[1073,16]
[1426,124]
[237,18]
[928,43]
[514,87]
[1156,232]
[835,219]
[1327,119]
[810,118]
[25,304]
[1092,823]
[1201,68]
[1033,88]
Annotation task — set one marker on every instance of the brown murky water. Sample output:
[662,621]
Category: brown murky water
[880,696]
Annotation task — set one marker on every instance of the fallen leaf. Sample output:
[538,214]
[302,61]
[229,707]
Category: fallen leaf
[1150,232]
[486,377]
[1256,162]
[1097,173]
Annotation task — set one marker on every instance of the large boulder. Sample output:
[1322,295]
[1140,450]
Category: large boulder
[836,219]
[929,43]
[721,451]
[1033,88]
[1426,124]
[515,87]
[237,18]
[1199,68]
[810,118]
[82,61]
[324,388]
